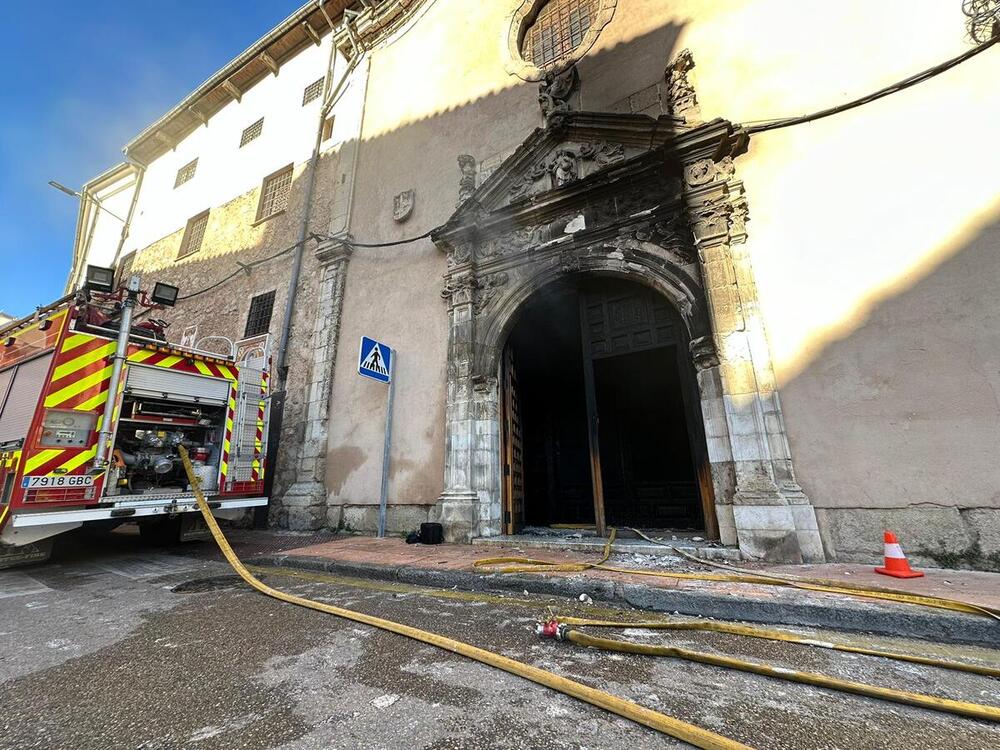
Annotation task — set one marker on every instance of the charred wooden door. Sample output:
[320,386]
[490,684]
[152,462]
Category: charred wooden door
[513,446]
[648,461]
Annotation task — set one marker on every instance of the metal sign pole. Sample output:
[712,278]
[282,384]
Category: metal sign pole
[384,493]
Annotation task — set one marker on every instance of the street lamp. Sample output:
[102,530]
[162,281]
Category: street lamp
[75,194]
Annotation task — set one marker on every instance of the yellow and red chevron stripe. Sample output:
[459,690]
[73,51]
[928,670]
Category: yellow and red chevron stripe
[183,363]
[81,378]
[258,443]
[228,439]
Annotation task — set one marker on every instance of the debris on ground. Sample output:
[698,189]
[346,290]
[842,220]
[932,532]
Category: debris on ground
[384,701]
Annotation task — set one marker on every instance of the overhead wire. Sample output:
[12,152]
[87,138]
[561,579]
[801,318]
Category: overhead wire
[752,127]
[785,122]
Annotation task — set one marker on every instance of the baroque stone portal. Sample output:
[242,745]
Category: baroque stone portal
[655,201]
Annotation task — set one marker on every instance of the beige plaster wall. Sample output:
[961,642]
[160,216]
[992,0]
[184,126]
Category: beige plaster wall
[873,233]
[437,89]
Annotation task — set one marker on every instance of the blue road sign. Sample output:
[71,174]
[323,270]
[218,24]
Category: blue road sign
[375,360]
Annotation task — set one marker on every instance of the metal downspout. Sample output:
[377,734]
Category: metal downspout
[293,282]
[330,98]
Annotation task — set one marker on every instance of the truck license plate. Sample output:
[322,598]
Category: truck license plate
[50,482]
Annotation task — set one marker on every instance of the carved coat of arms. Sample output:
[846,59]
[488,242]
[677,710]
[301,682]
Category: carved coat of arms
[402,206]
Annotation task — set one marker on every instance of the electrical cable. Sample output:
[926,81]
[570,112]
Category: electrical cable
[784,122]
[758,126]
[393,243]
[244,268]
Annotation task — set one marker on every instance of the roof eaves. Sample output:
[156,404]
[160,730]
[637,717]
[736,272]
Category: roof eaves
[230,68]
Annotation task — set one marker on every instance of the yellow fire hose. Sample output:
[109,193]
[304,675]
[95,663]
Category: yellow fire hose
[681,730]
[855,589]
[945,705]
[778,635]
[531,565]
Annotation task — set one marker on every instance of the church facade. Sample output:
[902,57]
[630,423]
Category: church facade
[618,294]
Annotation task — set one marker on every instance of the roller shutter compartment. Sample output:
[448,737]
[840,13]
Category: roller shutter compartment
[22,391]
[160,382]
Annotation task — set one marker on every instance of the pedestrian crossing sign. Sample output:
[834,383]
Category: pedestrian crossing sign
[375,360]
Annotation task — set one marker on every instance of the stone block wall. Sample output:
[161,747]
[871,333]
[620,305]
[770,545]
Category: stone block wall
[233,237]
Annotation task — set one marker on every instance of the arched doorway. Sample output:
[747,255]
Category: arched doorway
[600,412]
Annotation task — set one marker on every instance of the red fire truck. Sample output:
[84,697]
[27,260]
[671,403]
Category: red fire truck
[93,406]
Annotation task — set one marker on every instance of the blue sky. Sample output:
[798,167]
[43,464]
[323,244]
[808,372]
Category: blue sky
[81,78]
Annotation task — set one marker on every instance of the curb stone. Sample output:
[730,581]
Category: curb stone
[897,620]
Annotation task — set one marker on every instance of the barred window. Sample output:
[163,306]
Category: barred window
[252,132]
[274,193]
[312,92]
[259,317]
[558,29]
[194,234]
[185,173]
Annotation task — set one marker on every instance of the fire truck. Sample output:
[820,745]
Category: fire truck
[94,403]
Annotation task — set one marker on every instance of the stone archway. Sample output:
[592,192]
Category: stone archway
[583,196]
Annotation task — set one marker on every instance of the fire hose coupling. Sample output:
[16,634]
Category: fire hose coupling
[551,629]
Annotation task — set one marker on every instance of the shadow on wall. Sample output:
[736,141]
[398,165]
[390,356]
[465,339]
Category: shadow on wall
[896,424]
[892,425]
[422,155]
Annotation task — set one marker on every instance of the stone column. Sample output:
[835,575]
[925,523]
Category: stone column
[772,518]
[458,507]
[305,501]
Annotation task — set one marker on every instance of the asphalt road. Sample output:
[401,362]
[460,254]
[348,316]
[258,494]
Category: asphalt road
[113,645]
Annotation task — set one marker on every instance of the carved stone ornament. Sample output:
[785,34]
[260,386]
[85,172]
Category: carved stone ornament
[603,153]
[672,234]
[488,289]
[703,353]
[459,289]
[563,167]
[402,206]
[555,91]
[683,102]
[711,221]
[705,171]
[569,262]
[510,243]
[467,181]
[460,254]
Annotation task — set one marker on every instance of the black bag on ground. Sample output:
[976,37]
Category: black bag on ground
[431,533]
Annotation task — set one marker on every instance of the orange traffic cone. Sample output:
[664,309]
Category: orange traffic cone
[895,561]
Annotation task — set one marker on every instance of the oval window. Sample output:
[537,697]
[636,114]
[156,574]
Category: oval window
[558,28]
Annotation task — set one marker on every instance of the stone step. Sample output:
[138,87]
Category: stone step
[706,550]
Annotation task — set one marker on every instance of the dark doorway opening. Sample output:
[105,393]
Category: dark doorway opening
[649,420]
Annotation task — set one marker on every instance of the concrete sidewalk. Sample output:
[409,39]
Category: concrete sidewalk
[451,565]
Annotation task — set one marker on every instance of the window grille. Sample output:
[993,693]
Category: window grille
[185,173]
[252,132]
[259,317]
[312,92]
[274,193]
[194,234]
[558,29]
